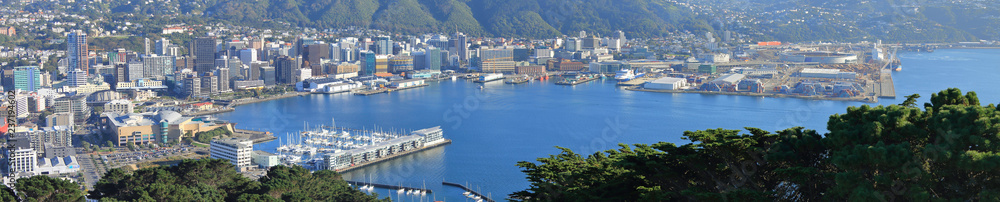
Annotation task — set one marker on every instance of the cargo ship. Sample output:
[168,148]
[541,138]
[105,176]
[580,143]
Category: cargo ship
[489,77]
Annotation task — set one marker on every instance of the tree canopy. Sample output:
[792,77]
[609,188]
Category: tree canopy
[944,152]
[217,180]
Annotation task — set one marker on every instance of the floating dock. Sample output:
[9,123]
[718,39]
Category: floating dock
[468,190]
[385,186]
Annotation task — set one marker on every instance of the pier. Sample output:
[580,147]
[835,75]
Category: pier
[468,190]
[255,136]
[395,155]
[386,90]
[885,87]
[636,81]
[385,186]
[575,82]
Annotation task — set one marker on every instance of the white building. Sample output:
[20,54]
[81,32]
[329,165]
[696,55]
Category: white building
[237,151]
[57,165]
[666,83]
[265,159]
[119,106]
[406,83]
[22,159]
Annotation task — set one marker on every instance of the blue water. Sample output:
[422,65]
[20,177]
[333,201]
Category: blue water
[498,126]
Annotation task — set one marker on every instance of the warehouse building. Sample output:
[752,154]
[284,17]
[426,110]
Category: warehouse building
[827,74]
[666,83]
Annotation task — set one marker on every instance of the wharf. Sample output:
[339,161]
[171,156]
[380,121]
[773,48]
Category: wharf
[371,92]
[468,190]
[478,81]
[255,136]
[396,155]
[777,95]
[885,87]
[577,81]
[386,90]
[636,81]
[385,186]
[234,103]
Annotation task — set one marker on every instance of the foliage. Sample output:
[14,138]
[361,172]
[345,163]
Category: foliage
[7,194]
[944,152]
[206,137]
[217,180]
[44,188]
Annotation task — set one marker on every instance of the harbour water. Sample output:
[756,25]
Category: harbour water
[495,127]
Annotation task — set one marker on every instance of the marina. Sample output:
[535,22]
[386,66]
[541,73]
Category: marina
[469,193]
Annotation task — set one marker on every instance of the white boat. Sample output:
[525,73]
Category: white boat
[489,77]
[466,193]
[627,74]
[400,191]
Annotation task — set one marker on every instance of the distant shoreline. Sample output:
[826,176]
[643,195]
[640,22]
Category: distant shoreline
[858,99]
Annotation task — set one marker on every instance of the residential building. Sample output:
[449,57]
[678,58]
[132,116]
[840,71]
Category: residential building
[76,51]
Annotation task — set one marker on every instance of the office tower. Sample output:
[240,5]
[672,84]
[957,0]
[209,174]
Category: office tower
[248,55]
[255,70]
[76,78]
[496,60]
[573,44]
[76,50]
[209,84]
[158,66]
[383,45]
[162,46]
[134,71]
[335,55]
[381,63]
[459,45]
[223,81]
[286,69]
[621,36]
[27,78]
[268,75]
[203,50]
[146,45]
[367,63]
[399,64]
[121,73]
[315,52]
[192,86]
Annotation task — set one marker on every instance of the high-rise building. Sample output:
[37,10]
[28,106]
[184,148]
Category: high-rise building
[237,151]
[459,44]
[286,69]
[399,64]
[162,46]
[495,60]
[76,77]
[268,75]
[434,58]
[383,45]
[158,66]
[573,44]
[27,78]
[76,50]
[192,86]
[255,72]
[381,63]
[203,49]
[223,81]
[367,63]
[335,55]
[316,52]
[135,71]
[209,84]
[76,105]
[121,73]
[621,36]
[591,43]
[248,55]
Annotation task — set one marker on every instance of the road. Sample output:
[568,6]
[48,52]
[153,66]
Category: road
[91,172]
